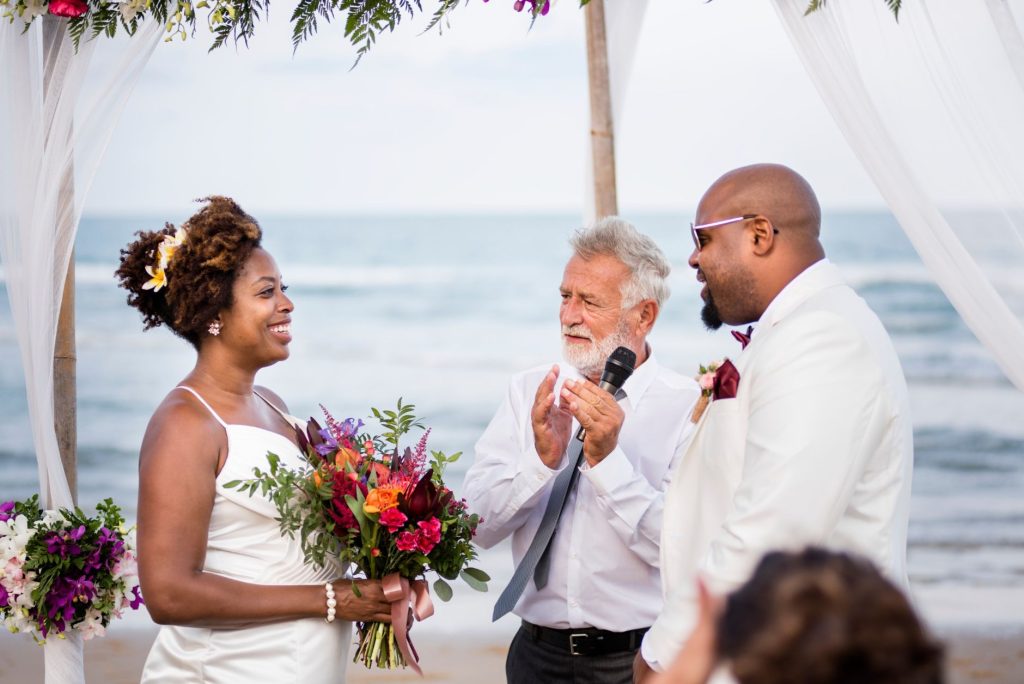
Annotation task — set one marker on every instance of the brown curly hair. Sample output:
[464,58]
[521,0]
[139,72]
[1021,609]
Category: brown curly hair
[820,617]
[220,239]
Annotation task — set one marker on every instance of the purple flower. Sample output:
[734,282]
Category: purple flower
[138,600]
[5,511]
[64,543]
[350,427]
[328,443]
[3,597]
[93,562]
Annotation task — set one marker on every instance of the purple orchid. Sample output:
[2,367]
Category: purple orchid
[64,543]
[138,600]
[5,511]
[4,597]
[114,548]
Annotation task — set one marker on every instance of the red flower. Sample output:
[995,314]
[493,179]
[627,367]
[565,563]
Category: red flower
[393,519]
[68,8]
[406,541]
[339,510]
[424,499]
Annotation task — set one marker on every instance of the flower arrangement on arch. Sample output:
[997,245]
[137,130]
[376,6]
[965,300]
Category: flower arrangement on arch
[63,570]
[363,20]
[364,500]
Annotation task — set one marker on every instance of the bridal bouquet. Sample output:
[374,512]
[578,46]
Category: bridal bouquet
[62,570]
[364,500]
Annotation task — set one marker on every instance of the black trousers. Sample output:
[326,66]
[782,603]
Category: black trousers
[535,662]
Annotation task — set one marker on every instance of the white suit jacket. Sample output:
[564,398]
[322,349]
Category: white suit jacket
[816,448]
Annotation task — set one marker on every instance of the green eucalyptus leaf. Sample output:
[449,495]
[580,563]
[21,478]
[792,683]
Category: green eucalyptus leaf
[443,590]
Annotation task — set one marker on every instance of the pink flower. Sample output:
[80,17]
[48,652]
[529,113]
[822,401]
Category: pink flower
[425,544]
[393,519]
[431,529]
[707,381]
[68,8]
[406,541]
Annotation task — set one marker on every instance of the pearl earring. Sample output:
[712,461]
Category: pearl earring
[214,328]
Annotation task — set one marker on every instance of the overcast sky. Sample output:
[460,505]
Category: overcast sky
[487,117]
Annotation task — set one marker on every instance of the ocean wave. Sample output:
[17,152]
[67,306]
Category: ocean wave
[310,275]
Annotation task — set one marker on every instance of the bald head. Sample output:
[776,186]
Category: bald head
[747,262]
[776,191]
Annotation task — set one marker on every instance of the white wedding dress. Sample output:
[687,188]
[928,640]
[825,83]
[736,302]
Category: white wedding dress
[246,544]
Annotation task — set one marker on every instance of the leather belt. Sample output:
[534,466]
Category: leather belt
[586,641]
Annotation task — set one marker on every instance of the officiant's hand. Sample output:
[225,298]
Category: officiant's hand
[369,606]
[598,413]
[551,423]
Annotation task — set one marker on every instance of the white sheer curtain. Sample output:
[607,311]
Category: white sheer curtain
[52,137]
[933,106]
[623,20]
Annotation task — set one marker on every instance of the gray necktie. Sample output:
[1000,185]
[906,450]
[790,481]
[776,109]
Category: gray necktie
[537,560]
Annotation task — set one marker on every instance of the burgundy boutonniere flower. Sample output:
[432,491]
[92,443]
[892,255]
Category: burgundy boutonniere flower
[717,380]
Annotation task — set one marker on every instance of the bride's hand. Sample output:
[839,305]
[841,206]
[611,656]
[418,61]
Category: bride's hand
[369,606]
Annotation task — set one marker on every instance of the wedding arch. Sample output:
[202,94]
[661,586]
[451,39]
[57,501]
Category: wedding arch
[941,138]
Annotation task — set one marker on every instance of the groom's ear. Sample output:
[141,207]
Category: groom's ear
[762,235]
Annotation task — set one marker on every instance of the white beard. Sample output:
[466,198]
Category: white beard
[590,359]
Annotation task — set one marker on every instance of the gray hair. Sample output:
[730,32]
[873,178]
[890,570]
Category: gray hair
[646,262]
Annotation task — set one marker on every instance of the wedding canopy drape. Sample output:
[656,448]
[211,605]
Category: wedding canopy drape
[53,133]
[933,106]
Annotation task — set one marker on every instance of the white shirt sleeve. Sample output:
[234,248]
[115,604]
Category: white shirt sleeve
[507,480]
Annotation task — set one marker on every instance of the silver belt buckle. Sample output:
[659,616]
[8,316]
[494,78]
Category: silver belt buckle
[572,643]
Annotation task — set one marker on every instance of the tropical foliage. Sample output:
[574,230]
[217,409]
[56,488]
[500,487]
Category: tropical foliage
[363,20]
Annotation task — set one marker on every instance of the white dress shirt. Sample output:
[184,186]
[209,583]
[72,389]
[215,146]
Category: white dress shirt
[816,448]
[604,555]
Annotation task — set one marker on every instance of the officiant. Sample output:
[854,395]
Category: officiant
[588,596]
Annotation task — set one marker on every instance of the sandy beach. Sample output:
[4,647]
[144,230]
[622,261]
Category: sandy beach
[989,657]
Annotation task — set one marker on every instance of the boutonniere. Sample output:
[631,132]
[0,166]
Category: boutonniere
[717,380]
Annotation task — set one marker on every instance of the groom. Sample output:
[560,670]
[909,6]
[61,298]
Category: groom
[809,439]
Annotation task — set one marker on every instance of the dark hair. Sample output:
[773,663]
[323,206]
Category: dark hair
[820,617]
[220,238]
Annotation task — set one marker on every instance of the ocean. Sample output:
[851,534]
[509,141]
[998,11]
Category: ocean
[441,311]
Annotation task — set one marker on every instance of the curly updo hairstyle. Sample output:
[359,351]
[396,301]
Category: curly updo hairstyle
[820,617]
[220,238]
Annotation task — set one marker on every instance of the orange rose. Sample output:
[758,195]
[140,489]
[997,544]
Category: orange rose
[381,499]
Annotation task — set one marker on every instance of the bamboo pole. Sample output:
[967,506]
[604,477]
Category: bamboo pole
[602,133]
[65,380]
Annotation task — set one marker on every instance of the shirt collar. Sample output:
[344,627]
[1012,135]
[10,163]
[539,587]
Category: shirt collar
[636,384]
[816,277]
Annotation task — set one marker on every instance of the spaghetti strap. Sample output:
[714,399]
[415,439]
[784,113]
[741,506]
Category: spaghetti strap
[203,402]
[287,418]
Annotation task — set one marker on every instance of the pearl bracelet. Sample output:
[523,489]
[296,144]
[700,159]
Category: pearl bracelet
[331,601]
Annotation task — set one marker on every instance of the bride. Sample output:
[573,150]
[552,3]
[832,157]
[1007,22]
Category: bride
[235,599]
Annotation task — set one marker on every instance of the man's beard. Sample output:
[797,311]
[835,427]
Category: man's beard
[590,359]
[709,314]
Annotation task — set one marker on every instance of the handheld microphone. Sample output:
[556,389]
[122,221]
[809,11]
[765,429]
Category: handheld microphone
[617,370]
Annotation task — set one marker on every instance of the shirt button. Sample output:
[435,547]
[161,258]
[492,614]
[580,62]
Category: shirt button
[573,604]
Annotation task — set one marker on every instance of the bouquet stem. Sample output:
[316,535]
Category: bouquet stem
[378,647]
